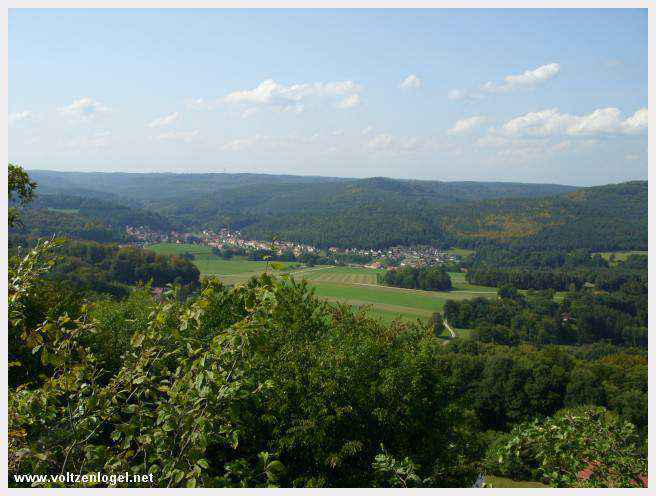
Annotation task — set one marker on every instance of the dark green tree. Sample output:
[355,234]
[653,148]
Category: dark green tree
[21,191]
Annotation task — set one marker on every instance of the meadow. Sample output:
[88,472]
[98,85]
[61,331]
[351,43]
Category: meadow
[356,286]
[621,255]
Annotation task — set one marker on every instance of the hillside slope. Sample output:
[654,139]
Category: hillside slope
[376,212]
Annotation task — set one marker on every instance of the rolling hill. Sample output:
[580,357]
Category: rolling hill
[372,212]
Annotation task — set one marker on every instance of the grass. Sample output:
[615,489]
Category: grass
[179,249]
[462,333]
[505,482]
[461,252]
[356,286]
[64,210]
[621,255]
[460,284]
[210,264]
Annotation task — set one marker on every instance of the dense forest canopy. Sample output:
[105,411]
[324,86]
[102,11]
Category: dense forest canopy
[426,278]
[360,213]
[166,186]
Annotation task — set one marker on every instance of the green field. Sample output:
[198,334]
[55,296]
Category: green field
[64,210]
[238,269]
[621,255]
[505,482]
[461,252]
[356,286]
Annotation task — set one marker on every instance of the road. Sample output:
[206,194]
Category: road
[448,328]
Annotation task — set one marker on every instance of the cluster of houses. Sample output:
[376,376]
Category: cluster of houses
[144,235]
[380,258]
[415,256]
[233,239]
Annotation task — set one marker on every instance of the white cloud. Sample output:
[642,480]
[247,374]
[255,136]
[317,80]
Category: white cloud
[238,144]
[183,136]
[464,95]
[606,120]
[24,115]
[528,79]
[537,134]
[99,139]
[381,141]
[522,153]
[412,81]
[390,145]
[518,149]
[367,130]
[551,122]
[542,123]
[84,109]
[468,125]
[588,143]
[270,93]
[410,143]
[562,146]
[636,123]
[349,102]
[199,104]
[338,132]
[249,112]
[265,141]
[492,140]
[164,121]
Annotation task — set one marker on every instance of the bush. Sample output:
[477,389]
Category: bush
[582,447]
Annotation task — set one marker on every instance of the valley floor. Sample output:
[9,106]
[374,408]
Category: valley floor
[357,286]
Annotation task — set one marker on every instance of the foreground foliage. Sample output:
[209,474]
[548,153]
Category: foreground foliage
[264,384]
[207,390]
[585,447]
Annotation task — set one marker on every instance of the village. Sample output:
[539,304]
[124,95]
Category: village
[224,239]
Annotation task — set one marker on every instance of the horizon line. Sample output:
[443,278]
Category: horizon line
[318,176]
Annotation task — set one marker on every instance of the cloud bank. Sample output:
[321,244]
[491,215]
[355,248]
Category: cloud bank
[527,80]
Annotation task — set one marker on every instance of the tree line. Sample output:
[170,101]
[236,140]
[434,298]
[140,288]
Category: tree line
[584,316]
[426,278]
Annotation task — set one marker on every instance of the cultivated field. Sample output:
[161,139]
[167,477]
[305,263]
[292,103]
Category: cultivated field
[236,270]
[621,255]
[356,286]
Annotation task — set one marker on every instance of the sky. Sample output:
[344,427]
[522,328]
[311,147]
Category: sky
[556,96]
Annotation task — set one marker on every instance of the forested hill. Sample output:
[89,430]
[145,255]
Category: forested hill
[600,218]
[378,212]
[158,187]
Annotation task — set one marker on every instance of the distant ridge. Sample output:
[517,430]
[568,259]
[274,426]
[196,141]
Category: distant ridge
[373,212]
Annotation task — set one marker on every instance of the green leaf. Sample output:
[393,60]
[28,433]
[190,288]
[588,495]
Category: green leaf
[276,466]
[179,474]
[137,340]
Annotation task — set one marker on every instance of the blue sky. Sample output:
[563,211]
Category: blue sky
[509,95]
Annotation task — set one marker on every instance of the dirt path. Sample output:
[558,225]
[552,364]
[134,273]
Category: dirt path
[448,328]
